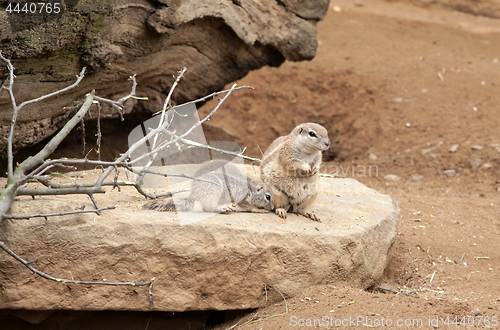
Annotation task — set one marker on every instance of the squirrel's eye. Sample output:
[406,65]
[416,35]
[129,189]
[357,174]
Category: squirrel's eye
[312,134]
[268,197]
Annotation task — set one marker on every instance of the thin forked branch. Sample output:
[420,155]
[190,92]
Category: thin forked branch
[16,109]
[63,280]
[46,215]
[177,138]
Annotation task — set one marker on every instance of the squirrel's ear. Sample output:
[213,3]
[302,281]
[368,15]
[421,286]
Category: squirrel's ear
[254,185]
[301,130]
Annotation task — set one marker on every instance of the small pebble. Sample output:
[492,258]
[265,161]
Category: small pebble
[487,166]
[450,172]
[475,162]
[391,177]
[398,99]
[476,147]
[454,148]
[372,156]
[417,177]
[476,312]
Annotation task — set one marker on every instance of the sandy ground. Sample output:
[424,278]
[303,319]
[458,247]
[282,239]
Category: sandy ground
[397,86]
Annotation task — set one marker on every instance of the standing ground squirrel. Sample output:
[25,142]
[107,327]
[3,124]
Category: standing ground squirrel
[290,168]
[216,186]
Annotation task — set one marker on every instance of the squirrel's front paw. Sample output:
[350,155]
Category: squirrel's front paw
[304,167]
[311,215]
[281,213]
[314,170]
[304,170]
[228,208]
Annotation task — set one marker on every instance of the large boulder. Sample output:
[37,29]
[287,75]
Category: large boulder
[218,41]
[220,263]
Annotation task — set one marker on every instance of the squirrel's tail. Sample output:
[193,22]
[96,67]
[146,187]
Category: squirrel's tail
[181,204]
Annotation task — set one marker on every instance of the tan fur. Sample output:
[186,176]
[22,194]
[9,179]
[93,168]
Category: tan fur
[290,168]
[220,184]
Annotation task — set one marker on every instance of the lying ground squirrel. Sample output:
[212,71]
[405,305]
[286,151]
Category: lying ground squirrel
[290,168]
[219,184]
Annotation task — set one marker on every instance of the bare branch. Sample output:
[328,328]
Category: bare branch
[65,89]
[167,194]
[236,154]
[15,179]
[169,96]
[60,191]
[282,296]
[140,178]
[49,277]
[99,132]
[82,127]
[114,104]
[11,80]
[46,215]
[78,185]
[204,98]
[6,197]
[49,148]
[91,196]
[70,161]
[132,92]
[16,109]
[90,187]
[176,139]
[170,174]
[118,105]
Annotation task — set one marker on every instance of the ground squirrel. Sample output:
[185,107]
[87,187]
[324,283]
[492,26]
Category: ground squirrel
[218,184]
[290,168]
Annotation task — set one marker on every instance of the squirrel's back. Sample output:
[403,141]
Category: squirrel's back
[216,187]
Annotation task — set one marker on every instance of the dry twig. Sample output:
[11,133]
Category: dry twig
[46,215]
[63,280]
[282,296]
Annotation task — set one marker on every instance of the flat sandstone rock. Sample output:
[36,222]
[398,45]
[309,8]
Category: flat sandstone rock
[220,263]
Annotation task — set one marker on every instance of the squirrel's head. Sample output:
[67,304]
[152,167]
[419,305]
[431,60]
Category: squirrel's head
[312,136]
[261,195]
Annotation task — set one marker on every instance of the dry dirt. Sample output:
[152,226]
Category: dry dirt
[397,86]
[403,84]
